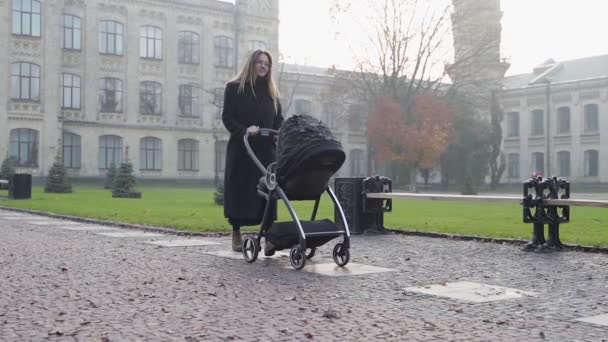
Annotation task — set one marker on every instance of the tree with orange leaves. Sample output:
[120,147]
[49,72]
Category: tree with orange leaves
[414,137]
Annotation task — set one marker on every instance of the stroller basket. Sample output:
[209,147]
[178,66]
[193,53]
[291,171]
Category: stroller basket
[308,156]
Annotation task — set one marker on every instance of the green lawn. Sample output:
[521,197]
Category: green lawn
[193,209]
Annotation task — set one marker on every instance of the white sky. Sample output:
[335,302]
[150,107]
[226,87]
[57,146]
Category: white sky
[533,31]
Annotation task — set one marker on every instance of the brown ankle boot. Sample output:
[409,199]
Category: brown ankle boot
[236,241]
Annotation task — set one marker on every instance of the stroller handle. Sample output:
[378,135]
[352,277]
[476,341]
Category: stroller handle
[265,132]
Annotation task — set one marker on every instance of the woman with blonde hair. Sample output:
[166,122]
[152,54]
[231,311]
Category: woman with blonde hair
[251,102]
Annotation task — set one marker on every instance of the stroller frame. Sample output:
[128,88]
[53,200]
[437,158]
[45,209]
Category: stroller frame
[251,245]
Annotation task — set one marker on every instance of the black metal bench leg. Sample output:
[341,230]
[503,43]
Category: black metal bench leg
[554,241]
[538,237]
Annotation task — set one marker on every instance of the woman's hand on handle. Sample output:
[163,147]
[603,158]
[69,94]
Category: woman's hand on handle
[253,130]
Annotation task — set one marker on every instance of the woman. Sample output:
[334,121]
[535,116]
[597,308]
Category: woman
[251,102]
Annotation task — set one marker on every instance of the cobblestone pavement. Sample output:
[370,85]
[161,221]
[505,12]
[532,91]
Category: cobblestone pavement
[67,285]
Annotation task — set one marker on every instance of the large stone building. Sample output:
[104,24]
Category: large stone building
[553,121]
[98,80]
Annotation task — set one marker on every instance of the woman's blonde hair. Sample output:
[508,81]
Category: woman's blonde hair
[248,75]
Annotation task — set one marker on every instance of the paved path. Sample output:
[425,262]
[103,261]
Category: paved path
[75,285]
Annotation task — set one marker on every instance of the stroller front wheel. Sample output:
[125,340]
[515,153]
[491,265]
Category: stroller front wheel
[297,258]
[250,249]
[341,255]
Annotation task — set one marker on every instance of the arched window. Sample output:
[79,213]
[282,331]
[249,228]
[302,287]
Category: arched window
[110,151]
[189,100]
[513,165]
[591,163]
[150,154]
[563,163]
[188,47]
[24,146]
[150,98]
[357,163]
[110,37]
[538,163]
[151,42]
[71,150]
[72,32]
[70,86]
[26,18]
[25,81]
[224,51]
[592,121]
[187,155]
[563,120]
[513,124]
[110,95]
[303,107]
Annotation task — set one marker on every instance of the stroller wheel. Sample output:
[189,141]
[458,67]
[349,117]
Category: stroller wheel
[341,255]
[311,252]
[297,258]
[250,249]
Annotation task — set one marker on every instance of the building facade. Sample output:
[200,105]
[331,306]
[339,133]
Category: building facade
[555,121]
[100,81]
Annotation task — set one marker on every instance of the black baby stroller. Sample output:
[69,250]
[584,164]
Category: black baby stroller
[307,157]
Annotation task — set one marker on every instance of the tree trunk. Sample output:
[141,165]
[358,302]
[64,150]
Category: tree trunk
[413,179]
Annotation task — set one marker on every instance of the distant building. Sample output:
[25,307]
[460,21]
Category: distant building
[555,121]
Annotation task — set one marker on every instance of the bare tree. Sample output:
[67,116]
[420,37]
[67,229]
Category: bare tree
[408,52]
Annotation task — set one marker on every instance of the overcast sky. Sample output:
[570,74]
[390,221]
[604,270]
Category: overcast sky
[533,31]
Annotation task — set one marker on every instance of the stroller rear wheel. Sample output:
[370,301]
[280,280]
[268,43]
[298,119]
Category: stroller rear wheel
[311,252]
[297,258]
[341,255]
[250,249]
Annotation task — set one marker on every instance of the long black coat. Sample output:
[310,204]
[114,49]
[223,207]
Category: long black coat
[242,205]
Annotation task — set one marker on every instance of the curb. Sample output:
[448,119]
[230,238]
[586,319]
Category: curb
[502,241]
[151,229]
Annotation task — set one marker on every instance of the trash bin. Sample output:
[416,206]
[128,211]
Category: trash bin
[348,191]
[362,213]
[20,186]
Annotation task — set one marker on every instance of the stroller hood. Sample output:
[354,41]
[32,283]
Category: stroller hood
[308,156]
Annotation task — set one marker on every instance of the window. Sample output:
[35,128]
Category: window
[188,47]
[187,155]
[513,165]
[592,123]
[224,51]
[110,95]
[72,32]
[218,101]
[537,122]
[150,98]
[189,100]
[357,163]
[220,157]
[110,151]
[563,163]
[26,17]
[563,120]
[591,163]
[356,119]
[330,113]
[513,124]
[110,37]
[538,163]
[151,42]
[257,45]
[150,154]
[303,107]
[24,146]
[25,81]
[71,150]
[70,86]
